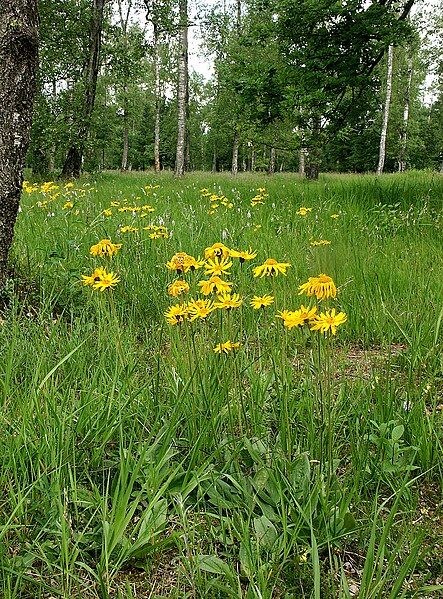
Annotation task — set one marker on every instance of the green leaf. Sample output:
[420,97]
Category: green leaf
[214,565]
[397,432]
[349,521]
[265,531]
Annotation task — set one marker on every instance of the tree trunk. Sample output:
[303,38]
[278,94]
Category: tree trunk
[301,162]
[314,153]
[253,158]
[271,167]
[73,163]
[214,160]
[182,89]
[157,164]
[404,129]
[235,145]
[384,127]
[18,65]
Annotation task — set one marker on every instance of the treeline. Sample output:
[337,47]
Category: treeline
[297,85]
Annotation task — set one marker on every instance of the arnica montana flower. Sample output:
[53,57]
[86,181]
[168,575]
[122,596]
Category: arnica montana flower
[271,267]
[303,211]
[68,205]
[319,242]
[176,314]
[217,266]
[225,348]
[217,250]
[261,301]
[200,308]
[328,321]
[183,262]
[226,301]
[297,318]
[243,255]
[107,212]
[323,287]
[177,288]
[215,284]
[100,280]
[128,229]
[105,247]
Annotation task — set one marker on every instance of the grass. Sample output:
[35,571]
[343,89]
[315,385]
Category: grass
[138,463]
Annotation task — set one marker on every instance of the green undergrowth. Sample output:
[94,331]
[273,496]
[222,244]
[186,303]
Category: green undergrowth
[137,462]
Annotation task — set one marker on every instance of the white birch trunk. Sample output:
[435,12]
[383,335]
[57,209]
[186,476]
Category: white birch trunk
[384,127]
[235,144]
[182,90]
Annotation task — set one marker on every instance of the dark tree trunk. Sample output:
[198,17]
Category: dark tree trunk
[73,163]
[314,152]
[157,164]
[18,65]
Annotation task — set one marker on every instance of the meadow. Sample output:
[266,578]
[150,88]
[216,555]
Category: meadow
[224,450]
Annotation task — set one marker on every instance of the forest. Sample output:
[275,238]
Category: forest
[221,299]
[292,84]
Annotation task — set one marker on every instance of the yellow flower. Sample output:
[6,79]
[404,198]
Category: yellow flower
[115,204]
[147,208]
[291,319]
[108,280]
[177,288]
[303,211]
[322,287]
[183,262]
[129,229]
[68,205]
[328,321]
[204,190]
[200,308]
[225,348]
[271,267]
[69,185]
[243,255]
[159,235]
[217,250]
[217,266]
[107,212]
[335,216]
[261,189]
[176,314]
[100,279]
[227,301]
[90,280]
[262,301]
[320,242]
[105,247]
[215,284]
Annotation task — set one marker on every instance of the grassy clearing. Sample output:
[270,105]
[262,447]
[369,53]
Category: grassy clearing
[136,462]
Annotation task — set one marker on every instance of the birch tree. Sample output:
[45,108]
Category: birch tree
[18,65]
[384,126]
[182,94]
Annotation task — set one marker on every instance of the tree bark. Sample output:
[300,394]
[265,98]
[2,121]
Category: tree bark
[124,165]
[404,128]
[235,145]
[214,160]
[253,159]
[314,152]
[182,90]
[74,159]
[301,162]
[18,65]
[157,165]
[271,167]
[384,127]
